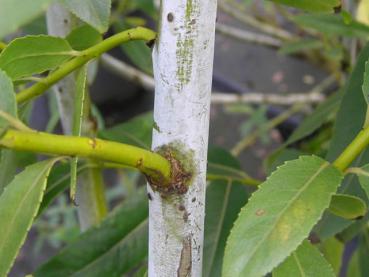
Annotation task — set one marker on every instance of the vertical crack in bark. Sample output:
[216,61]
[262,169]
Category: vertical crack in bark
[185,263]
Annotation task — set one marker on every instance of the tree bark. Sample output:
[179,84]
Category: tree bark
[183,61]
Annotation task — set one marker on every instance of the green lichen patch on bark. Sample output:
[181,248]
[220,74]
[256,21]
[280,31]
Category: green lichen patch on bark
[182,171]
[185,44]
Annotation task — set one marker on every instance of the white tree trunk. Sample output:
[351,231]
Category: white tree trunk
[183,61]
[91,207]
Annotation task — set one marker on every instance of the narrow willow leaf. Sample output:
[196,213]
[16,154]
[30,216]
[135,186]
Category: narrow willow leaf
[223,166]
[344,131]
[364,252]
[224,201]
[8,103]
[347,206]
[332,250]
[57,182]
[312,122]
[34,54]
[306,261]
[353,268]
[137,51]
[93,12]
[333,24]
[366,83]
[113,248]
[18,206]
[279,216]
[363,176]
[14,14]
[83,37]
[136,131]
[353,104]
[8,166]
[78,118]
[311,5]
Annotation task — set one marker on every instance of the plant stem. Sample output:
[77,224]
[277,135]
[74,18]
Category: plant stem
[360,142]
[149,163]
[92,206]
[95,51]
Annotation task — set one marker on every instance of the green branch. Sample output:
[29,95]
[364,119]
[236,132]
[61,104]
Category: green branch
[360,142]
[84,56]
[149,163]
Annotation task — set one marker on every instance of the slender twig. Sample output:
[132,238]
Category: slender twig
[127,71]
[14,122]
[147,162]
[257,24]
[39,88]
[250,139]
[248,36]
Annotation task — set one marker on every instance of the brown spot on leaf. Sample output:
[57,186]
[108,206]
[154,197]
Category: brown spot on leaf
[260,212]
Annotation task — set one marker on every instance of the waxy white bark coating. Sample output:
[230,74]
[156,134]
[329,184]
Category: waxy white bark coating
[183,62]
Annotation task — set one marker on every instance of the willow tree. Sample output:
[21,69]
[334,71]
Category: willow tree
[183,61]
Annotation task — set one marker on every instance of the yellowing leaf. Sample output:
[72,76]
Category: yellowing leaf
[279,216]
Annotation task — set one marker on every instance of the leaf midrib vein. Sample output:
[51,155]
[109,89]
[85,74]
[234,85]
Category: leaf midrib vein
[311,179]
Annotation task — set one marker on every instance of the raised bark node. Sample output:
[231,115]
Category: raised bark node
[181,171]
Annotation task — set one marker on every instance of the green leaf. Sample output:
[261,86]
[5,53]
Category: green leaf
[83,37]
[332,250]
[78,118]
[363,175]
[314,121]
[347,206]
[364,252]
[366,83]
[137,51]
[301,45]
[136,131]
[345,129]
[113,248]
[18,206]
[223,166]
[353,268]
[8,166]
[279,216]
[8,103]
[14,14]
[34,54]
[311,5]
[280,156]
[224,201]
[306,261]
[94,12]
[332,24]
